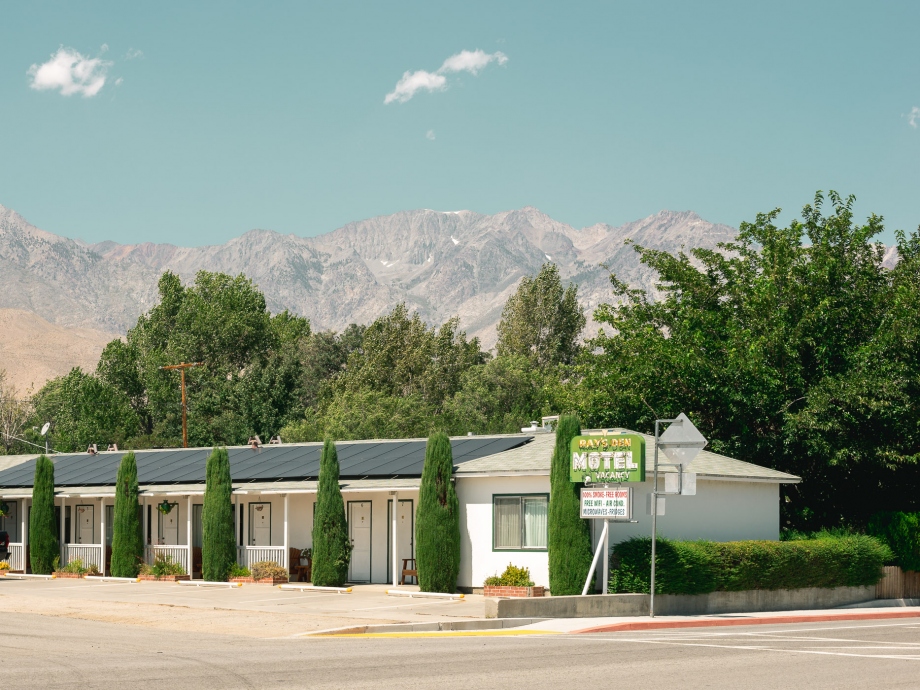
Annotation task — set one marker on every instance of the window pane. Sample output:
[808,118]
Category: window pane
[535,512]
[507,523]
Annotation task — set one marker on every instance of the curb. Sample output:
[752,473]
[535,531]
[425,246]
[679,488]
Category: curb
[442,626]
[726,622]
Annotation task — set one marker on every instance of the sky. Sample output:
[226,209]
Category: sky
[191,123]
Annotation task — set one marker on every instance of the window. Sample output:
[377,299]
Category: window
[519,522]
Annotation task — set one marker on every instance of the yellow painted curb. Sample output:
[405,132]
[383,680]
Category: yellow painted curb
[447,633]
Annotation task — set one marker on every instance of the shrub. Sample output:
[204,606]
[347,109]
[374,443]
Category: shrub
[570,552]
[218,543]
[75,566]
[238,570]
[266,569]
[901,531]
[331,545]
[437,527]
[163,566]
[4,565]
[512,577]
[43,541]
[700,567]
[127,541]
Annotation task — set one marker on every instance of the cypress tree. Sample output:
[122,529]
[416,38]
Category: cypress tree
[43,542]
[570,550]
[437,526]
[127,541]
[331,545]
[218,543]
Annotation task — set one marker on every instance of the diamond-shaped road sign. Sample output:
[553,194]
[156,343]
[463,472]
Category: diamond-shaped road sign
[681,441]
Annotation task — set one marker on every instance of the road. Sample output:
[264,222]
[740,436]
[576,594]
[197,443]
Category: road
[51,652]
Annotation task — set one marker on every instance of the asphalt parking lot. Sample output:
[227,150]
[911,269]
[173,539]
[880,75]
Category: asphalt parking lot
[256,610]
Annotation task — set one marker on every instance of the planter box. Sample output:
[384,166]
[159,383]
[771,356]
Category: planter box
[4,573]
[164,578]
[73,576]
[502,591]
[263,581]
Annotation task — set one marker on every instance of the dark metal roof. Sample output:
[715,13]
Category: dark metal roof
[357,459]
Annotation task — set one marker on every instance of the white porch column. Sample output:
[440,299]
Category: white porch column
[188,537]
[394,527]
[102,534]
[236,525]
[23,535]
[287,553]
[145,520]
[63,532]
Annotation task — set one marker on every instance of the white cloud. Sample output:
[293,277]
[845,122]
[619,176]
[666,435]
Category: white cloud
[471,61]
[429,135]
[70,72]
[415,81]
[133,54]
[913,118]
[119,81]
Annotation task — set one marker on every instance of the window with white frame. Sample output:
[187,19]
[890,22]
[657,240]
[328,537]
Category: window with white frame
[519,522]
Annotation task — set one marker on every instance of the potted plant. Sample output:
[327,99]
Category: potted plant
[514,582]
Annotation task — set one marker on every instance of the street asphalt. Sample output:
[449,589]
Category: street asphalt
[53,652]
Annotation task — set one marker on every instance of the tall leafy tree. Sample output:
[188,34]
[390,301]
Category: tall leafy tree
[218,542]
[331,545]
[793,348]
[542,320]
[127,540]
[437,526]
[43,542]
[570,550]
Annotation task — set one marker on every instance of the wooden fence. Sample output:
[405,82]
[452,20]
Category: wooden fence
[898,584]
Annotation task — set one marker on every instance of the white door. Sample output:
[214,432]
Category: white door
[405,535]
[85,524]
[169,526]
[260,527]
[359,529]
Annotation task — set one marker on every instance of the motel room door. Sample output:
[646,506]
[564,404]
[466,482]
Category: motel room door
[405,533]
[85,524]
[359,530]
[260,524]
[169,526]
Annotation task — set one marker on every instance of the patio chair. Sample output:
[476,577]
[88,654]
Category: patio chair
[299,573]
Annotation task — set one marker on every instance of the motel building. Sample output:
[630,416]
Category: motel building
[502,484]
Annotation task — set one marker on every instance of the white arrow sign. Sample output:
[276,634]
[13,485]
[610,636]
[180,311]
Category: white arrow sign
[681,441]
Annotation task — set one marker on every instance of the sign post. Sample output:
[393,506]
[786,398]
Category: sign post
[680,443]
[604,460]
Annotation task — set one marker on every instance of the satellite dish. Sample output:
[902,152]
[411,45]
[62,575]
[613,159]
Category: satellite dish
[45,428]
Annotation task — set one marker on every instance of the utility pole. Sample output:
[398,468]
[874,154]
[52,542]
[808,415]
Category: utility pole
[182,367]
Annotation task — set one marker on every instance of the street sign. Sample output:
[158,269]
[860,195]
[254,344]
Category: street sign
[681,441]
[611,504]
[613,459]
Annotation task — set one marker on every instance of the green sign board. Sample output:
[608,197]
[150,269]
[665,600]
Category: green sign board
[609,459]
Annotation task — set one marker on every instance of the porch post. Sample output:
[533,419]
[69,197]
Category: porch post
[287,555]
[102,535]
[188,538]
[63,533]
[394,527]
[23,536]
[236,525]
[146,530]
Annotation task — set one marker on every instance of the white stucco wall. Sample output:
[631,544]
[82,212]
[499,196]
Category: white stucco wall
[721,511]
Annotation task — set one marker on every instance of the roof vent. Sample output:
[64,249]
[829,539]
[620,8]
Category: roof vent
[255,441]
[113,446]
[91,449]
[275,441]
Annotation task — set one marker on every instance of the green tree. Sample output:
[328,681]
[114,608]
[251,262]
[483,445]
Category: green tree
[437,526]
[43,543]
[331,545]
[127,540]
[542,320]
[218,542]
[570,550]
[793,348]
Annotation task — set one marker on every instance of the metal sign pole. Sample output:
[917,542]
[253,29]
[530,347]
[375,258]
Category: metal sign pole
[651,604]
[606,569]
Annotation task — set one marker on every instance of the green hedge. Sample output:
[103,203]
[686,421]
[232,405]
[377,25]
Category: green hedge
[901,531]
[700,567]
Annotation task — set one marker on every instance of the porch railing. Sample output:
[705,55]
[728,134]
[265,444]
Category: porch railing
[90,554]
[247,555]
[15,559]
[178,554]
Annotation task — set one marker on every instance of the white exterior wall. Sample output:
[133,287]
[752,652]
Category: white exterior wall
[721,511]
